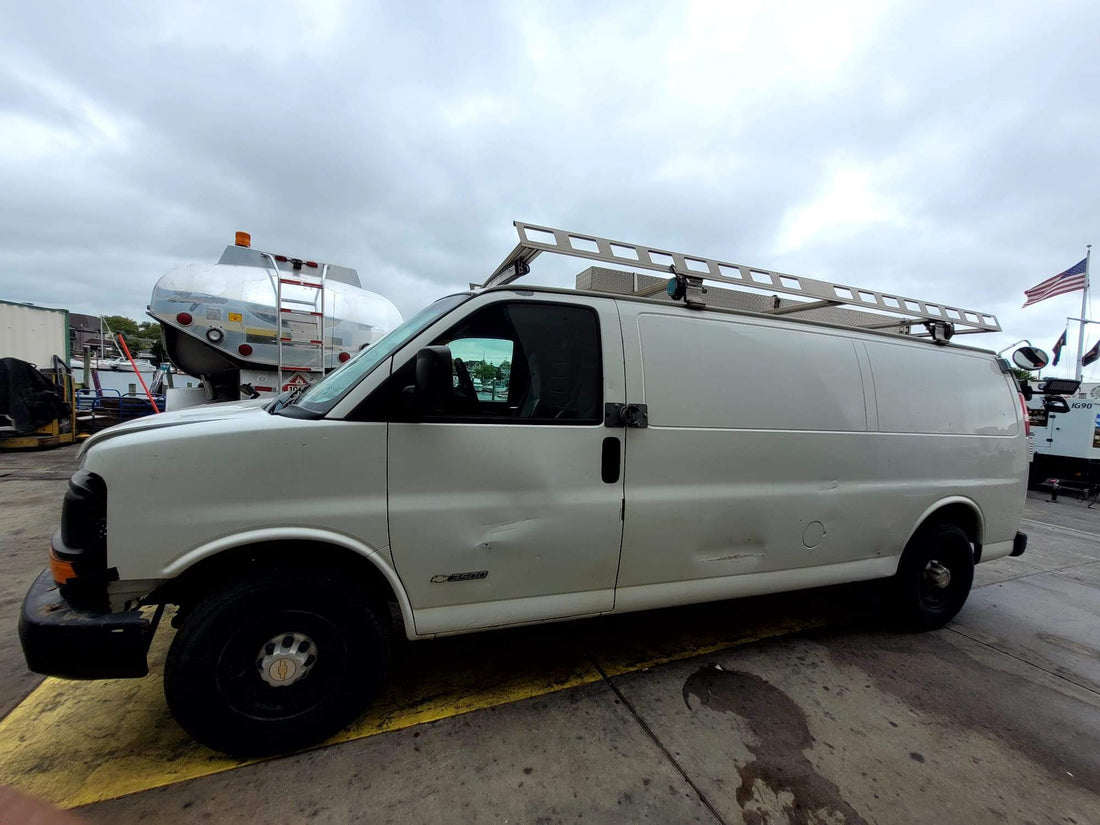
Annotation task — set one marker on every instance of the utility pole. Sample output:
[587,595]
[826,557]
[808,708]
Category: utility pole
[1084,309]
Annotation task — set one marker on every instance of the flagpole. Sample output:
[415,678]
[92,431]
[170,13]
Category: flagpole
[1084,305]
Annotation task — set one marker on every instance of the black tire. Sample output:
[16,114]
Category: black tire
[212,678]
[920,602]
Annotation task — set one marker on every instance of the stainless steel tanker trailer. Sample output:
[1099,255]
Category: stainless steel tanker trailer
[257,323]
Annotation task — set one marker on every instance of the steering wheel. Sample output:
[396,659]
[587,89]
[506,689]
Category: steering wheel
[465,383]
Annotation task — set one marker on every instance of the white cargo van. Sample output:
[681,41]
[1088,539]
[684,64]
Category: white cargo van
[616,453]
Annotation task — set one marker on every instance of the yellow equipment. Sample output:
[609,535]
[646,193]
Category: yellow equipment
[54,433]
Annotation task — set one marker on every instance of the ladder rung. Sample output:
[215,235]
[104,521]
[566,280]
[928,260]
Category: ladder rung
[303,324]
[302,312]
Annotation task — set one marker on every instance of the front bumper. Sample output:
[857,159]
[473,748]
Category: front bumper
[60,640]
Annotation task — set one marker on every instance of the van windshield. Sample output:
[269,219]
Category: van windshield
[322,396]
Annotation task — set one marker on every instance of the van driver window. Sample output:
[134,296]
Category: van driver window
[481,367]
[531,361]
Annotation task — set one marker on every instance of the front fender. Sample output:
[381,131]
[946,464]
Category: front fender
[377,557]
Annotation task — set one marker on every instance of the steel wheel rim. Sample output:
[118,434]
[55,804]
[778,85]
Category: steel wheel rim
[238,673]
[938,585]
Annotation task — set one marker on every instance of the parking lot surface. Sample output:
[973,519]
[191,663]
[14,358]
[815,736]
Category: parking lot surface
[798,708]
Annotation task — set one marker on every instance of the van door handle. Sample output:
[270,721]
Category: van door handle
[612,457]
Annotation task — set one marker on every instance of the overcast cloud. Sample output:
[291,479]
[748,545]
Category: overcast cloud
[924,148]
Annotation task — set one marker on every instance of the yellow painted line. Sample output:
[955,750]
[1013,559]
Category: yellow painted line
[75,743]
[617,663]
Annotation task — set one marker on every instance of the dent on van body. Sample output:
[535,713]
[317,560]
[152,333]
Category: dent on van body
[758,431]
[506,521]
[755,453]
[535,517]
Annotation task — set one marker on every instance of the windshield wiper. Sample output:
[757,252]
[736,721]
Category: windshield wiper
[286,399]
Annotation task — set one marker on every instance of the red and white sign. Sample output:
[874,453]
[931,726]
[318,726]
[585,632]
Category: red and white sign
[298,380]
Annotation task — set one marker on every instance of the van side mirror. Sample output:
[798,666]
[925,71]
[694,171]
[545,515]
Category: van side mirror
[433,378]
[1030,358]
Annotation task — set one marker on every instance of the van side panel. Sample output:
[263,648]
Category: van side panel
[921,389]
[756,454]
[714,373]
[950,424]
[775,446]
[259,472]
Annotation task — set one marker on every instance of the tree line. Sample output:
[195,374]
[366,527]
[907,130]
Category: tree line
[139,336]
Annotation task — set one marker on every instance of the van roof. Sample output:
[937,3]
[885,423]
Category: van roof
[667,303]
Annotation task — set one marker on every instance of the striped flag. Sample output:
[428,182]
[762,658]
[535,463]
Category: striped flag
[1071,280]
[1061,342]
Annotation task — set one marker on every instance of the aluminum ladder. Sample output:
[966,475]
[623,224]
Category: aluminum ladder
[300,321]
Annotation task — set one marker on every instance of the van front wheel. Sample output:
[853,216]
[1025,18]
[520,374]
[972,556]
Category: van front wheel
[275,662]
[934,577]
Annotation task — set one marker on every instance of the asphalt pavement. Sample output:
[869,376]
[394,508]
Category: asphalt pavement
[797,708]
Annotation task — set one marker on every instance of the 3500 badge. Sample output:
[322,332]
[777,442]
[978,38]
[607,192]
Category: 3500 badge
[460,577]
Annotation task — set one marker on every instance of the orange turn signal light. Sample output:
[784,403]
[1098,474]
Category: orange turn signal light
[243,239]
[62,571]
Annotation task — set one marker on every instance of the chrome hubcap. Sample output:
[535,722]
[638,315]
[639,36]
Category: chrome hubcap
[936,573]
[286,659]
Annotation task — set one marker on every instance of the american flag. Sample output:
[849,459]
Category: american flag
[1071,280]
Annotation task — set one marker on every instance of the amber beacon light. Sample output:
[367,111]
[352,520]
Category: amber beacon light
[243,239]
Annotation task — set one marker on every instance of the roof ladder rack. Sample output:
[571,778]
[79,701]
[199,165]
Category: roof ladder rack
[690,271]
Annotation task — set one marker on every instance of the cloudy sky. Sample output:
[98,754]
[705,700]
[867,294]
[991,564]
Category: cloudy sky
[939,150]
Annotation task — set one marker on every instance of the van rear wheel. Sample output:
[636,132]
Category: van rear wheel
[934,578]
[275,662]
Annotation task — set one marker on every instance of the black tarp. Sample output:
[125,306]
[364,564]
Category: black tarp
[28,397]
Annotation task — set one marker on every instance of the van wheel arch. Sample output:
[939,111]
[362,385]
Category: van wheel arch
[219,570]
[961,513]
